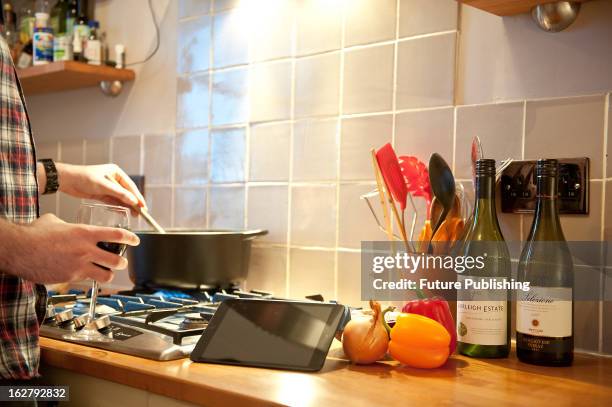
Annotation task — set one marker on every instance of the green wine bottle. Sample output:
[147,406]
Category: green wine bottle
[544,321]
[483,316]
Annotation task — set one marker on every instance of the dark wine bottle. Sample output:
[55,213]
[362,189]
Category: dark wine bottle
[544,321]
[483,315]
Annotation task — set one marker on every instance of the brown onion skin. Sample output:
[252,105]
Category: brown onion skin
[365,340]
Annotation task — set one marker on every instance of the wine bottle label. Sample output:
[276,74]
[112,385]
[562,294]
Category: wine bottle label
[482,319]
[545,311]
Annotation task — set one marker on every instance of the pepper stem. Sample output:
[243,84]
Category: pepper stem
[384,321]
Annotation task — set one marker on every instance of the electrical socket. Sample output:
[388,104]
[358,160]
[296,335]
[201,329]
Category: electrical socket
[518,186]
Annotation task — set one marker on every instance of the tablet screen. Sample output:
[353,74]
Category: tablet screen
[269,333]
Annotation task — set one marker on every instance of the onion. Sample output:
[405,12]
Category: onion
[365,340]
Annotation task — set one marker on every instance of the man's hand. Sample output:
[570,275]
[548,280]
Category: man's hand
[52,251]
[107,183]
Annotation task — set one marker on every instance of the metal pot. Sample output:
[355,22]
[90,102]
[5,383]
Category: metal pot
[191,259]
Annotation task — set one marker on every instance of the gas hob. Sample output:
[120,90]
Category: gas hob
[160,325]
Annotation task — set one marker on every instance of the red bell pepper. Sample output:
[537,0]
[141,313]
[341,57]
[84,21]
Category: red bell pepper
[437,309]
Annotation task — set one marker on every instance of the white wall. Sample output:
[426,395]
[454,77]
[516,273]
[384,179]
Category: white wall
[147,105]
[511,58]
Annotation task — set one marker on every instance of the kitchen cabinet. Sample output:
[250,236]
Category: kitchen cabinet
[68,75]
[507,7]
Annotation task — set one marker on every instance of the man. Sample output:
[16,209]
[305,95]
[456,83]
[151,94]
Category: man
[44,250]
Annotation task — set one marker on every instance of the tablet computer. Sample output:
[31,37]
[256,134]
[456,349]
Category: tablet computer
[277,334]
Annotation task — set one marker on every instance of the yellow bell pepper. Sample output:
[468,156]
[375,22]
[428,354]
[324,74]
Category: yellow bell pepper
[418,341]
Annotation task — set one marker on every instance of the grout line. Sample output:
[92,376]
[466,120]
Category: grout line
[211,60]
[394,85]
[540,99]
[339,142]
[315,118]
[173,181]
[603,218]
[291,154]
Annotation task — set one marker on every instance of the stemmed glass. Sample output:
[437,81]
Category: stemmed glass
[99,215]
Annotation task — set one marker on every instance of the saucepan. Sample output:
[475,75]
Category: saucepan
[191,259]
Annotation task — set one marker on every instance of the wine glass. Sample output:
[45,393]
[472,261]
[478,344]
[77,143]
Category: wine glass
[99,215]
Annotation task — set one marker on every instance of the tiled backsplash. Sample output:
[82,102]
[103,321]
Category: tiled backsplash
[278,103]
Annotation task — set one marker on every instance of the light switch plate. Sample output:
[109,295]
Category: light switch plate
[518,186]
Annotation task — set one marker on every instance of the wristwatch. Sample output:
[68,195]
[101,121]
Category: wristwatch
[52,180]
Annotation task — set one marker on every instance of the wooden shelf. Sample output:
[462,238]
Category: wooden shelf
[68,75]
[507,7]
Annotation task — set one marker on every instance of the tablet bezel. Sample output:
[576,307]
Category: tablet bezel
[320,353]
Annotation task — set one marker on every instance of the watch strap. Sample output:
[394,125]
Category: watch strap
[52,178]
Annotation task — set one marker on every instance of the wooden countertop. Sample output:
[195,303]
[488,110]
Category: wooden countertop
[462,381]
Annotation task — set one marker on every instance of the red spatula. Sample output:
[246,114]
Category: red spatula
[394,180]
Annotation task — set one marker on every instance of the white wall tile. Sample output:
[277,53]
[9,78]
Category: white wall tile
[192,105]
[368,87]
[317,85]
[319,26]
[426,72]
[272,34]
[427,16]
[311,272]
[192,158]
[315,150]
[370,21]
[268,270]
[190,208]
[552,129]
[126,153]
[270,92]
[227,155]
[159,202]
[269,146]
[415,131]
[193,53]
[97,151]
[499,127]
[227,207]
[313,215]
[230,95]
[230,39]
[158,150]
[356,223]
[267,209]
[359,135]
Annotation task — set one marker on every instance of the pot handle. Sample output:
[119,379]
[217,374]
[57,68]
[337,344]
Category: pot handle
[252,234]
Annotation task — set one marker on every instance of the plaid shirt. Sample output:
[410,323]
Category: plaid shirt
[22,303]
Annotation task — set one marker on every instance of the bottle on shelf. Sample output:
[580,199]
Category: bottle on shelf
[483,316]
[77,47]
[42,44]
[59,16]
[93,45]
[25,57]
[9,29]
[544,321]
[81,23]
[26,24]
[71,17]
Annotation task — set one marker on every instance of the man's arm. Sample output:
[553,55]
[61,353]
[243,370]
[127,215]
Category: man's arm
[107,183]
[52,251]
[41,176]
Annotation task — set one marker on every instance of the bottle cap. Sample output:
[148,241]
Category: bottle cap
[485,167]
[94,24]
[547,167]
